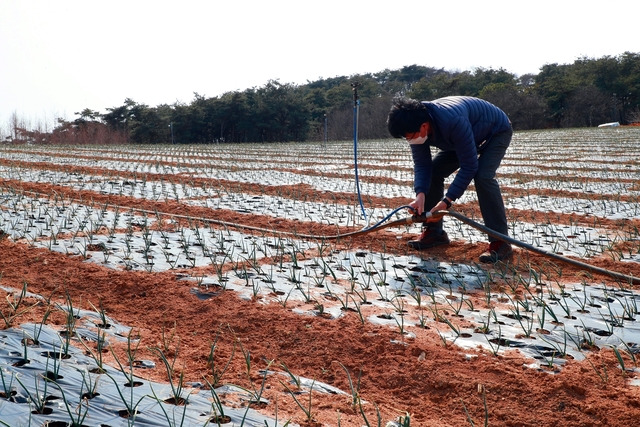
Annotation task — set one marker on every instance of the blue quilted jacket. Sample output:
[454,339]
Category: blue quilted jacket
[461,124]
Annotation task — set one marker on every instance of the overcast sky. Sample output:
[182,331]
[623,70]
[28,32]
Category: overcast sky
[59,57]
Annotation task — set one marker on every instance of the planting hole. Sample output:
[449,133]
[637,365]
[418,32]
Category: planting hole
[44,411]
[52,376]
[55,355]
[220,419]
[4,395]
[133,384]
[89,396]
[178,401]
[124,413]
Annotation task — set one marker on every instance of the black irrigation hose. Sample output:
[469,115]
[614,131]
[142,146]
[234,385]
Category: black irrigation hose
[408,221]
[505,238]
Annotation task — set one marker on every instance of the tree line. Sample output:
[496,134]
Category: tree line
[586,93]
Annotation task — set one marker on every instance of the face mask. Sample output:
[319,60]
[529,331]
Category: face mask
[419,140]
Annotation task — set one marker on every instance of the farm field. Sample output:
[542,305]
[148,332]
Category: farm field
[204,285]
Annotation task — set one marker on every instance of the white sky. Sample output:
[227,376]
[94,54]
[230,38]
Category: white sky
[59,57]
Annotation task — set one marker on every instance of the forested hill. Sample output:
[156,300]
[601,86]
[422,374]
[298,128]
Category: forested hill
[586,93]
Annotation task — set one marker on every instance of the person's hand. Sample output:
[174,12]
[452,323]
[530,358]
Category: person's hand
[440,206]
[418,205]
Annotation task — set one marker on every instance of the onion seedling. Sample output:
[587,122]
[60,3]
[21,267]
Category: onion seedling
[306,409]
[78,414]
[15,301]
[38,399]
[7,387]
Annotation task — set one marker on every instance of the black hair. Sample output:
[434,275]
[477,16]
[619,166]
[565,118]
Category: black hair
[406,116]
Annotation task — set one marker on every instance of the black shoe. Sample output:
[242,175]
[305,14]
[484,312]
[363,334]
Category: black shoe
[497,251]
[428,239]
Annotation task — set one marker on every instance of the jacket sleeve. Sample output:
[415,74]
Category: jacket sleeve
[465,147]
[421,167]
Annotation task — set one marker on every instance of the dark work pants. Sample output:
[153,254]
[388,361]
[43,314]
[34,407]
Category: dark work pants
[489,196]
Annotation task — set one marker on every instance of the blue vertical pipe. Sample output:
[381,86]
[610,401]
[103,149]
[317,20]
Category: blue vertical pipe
[356,111]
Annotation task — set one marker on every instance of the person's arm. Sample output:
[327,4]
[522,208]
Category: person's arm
[421,174]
